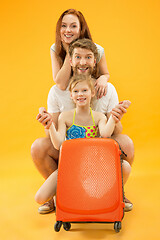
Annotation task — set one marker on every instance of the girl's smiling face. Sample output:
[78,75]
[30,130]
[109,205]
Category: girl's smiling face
[70,28]
[81,94]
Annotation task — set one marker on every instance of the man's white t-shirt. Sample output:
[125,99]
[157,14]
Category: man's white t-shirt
[59,100]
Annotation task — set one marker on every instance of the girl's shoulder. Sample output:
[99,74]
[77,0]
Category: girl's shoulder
[96,113]
[67,117]
[98,116]
[67,114]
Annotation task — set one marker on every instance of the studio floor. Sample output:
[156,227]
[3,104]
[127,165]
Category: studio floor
[20,219]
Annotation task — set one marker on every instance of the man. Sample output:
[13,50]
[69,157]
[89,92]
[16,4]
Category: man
[83,56]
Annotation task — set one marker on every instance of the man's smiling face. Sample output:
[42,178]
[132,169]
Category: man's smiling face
[82,61]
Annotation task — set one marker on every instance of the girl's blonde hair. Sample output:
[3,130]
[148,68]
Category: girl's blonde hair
[81,78]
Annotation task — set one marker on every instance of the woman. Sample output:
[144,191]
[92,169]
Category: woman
[70,26]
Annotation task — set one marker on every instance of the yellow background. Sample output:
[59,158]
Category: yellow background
[129,33]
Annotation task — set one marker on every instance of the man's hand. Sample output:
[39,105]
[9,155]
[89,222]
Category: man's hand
[44,118]
[119,110]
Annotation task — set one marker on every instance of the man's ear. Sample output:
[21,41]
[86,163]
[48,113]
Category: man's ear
[70,61]
[95,60]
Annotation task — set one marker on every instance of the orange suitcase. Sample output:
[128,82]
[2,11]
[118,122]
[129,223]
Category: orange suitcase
[90,183]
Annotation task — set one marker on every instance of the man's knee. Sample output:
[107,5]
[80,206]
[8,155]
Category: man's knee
[39,148]
[127,146]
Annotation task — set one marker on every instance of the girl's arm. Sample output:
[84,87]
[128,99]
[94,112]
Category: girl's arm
[101,82]
[46,119]
[117,113]
[120,109]
[61,75]
[58,137]
[106,128]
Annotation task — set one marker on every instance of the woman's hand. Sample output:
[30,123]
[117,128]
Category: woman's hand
[101,86]
[65,46]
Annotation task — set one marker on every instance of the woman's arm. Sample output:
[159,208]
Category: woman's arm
[61,75]
[101,82]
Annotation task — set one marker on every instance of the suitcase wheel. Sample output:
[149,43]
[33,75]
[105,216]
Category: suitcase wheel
[57,226]
[66,226]
[117,226]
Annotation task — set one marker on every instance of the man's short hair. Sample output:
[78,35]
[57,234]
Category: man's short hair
[86,44]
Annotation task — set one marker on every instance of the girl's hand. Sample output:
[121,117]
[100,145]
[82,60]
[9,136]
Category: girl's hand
[45,118]
[101,86]
[119,110]
[125,103]
[42,110]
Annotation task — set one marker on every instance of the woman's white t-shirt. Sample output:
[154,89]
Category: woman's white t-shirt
[99,48]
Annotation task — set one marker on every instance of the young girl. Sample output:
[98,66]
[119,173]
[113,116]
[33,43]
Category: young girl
[80,122]
[70,26]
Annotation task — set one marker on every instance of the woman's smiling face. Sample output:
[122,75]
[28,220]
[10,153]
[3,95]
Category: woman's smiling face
[70,28]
